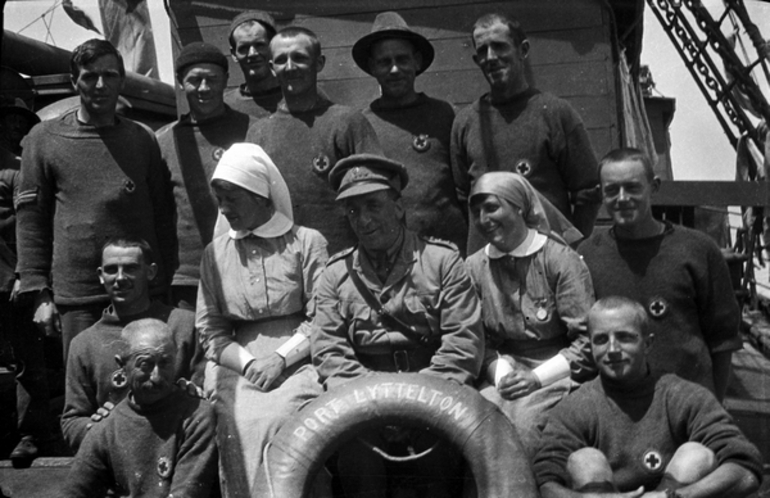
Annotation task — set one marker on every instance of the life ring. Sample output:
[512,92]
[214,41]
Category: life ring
[488,441]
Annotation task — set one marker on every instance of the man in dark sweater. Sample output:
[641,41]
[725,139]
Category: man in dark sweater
[191,148]
[94,384]
[250,35]
[158,441]
[634,433]
[517,128]
[678,274]
[87,176]
[308,134]
[412,128]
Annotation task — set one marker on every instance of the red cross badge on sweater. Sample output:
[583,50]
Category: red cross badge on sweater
[321,163]
[658,307]
[523,168]
[421,142]
[119,379]
[216,154]
[652,460]
[164,467]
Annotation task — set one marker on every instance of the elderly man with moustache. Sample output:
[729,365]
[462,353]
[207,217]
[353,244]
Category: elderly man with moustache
[158,441]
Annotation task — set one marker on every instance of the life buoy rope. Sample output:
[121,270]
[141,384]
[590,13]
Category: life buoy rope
[459,414]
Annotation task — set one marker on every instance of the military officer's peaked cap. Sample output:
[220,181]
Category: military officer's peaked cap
[361,174]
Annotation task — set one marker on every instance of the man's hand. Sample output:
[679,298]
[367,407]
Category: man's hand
[262,372]
[101,413]
[46,316]
[518,383]
[190,388]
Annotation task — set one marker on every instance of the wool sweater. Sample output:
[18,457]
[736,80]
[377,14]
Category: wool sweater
[535,134]
[81,185]
[93,377]
[258,106]
[681,278]
[191,150]
[163,450]
[638,428]
[305,146]
[417,136]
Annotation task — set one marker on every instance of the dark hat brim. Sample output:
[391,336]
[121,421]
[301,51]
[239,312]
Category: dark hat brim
[362,48]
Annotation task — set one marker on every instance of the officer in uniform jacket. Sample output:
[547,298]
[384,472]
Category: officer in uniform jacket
[396,301]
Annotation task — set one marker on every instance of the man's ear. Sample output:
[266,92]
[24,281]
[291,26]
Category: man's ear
[100,273]
[272,67]
[400,209]
[119,360]
[648,342]
[320,62]
[655,184]
[476,59]
[418,58]
[524,48]
[152,271]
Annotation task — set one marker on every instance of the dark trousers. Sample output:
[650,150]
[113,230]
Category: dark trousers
[28,357]
[75,319]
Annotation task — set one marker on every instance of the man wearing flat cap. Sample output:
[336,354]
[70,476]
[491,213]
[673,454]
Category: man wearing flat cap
[396,302]
[412,128]
[192,146]
[249,36]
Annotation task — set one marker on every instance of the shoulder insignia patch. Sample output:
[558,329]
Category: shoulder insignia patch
[440,242]
[119,379]
[657,307]
[164,467]
[652,461]
[340,255]
[421,142]
[321,163]
[524,168]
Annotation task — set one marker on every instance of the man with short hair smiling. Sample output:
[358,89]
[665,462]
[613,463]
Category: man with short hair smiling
[634,433]
[250,35]
[158,441]
[308,134]
[87,176]
[94,384]
[678,274]
[412,128]
[518,128]
[192,147]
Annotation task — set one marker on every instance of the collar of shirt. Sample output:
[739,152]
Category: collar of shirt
[277,226]
[533,243]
